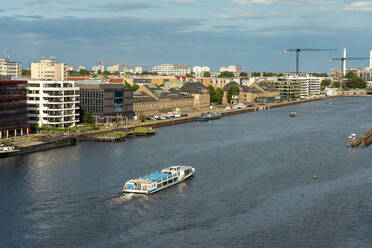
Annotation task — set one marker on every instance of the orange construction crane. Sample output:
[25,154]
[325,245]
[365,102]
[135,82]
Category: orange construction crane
[100,63]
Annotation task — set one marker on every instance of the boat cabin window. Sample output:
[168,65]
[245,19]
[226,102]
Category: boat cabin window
[165,183]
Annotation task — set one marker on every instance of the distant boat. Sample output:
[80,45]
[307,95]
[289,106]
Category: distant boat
[352,136]
[208,116]
[292,114]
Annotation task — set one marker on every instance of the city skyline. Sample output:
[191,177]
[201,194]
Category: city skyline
[251,33]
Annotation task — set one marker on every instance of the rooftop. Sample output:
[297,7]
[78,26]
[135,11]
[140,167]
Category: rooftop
[158,177]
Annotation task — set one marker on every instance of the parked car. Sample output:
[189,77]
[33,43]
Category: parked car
[177,115]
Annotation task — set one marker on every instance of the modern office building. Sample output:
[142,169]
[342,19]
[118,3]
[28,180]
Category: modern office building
[12,69]
[49,69]
[172,69]
[290,89]
[309,87]
[13,108]
[105,101]
[52,103]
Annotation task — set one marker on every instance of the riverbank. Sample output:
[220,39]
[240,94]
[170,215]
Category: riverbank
[32,144]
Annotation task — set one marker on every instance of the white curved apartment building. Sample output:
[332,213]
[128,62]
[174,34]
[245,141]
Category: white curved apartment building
[52,103]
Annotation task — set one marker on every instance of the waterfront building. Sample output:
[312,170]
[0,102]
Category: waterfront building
[289,89]
[106,101]
[13,108]
[52,103]
[367,74]
[172,69]
[200,94]
[49,69]
[152,100]
[253,93]
[11,69]
[310,87]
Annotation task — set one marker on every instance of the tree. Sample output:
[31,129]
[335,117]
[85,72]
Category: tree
[26,72]
[268,74]
[219,95]
[206,74]
[233,91]
[133,87]
[256,74]
[88,118]
[320,74]
[326,82]
[354,82]
[225,74]
[244,74]
[336,85]
[216,95]
[142,118]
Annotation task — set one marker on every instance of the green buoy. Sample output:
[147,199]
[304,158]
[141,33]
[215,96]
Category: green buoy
[315,176]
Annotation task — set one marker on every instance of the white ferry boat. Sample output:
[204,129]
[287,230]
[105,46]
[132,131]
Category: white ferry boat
[157,181]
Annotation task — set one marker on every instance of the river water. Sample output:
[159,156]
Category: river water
[253,185]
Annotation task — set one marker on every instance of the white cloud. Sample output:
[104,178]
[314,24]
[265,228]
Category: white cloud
[292,2]
[181,1]
[43,1]
[240,2]
[359,6]
[239,15]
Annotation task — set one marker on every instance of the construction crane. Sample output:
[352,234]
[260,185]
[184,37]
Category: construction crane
[298,50]
[125,65]
[100,63]
[343,62]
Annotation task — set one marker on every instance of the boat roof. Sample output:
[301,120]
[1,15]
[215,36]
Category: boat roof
[157,176]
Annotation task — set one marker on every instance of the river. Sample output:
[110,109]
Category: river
[253,185]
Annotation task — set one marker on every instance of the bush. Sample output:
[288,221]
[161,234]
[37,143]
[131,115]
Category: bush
[142,118]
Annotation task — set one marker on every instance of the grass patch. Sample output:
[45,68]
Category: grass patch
[142,130]
[112,134]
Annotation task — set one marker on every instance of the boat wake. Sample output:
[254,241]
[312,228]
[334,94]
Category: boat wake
[120,199]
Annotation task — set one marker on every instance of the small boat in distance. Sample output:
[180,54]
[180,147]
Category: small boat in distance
[352,136]
[6,150]
[208,116]
[157,181]
[292,114]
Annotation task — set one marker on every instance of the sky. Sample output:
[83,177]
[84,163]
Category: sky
[251,33]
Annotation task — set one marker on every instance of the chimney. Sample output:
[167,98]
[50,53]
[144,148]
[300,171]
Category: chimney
[344,63]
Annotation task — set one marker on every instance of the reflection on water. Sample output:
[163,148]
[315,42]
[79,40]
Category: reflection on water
[253,185]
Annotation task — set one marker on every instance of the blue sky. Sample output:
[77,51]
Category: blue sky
[251,33]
